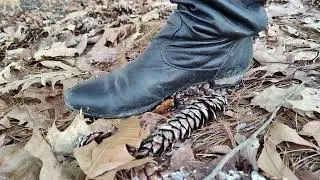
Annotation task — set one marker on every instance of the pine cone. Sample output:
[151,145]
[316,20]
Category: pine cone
[180,127]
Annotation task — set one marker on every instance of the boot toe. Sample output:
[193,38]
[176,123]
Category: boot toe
[88,98]
[71,99]
[110,97]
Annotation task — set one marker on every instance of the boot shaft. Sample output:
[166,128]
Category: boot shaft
[228,18]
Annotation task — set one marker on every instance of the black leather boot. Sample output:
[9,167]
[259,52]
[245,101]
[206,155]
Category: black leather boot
[204,40]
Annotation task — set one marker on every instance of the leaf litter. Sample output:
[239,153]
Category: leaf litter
[47,53]
[112,153]
[269,160]
[64,142]
[38,147]
[305,100]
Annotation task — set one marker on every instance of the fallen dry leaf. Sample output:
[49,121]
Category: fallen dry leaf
[16,163]
[151,15]
[54,64]
[288,8]
[135,163]
[105,125]
[312,129]
[265,55]
[61,49]
[269,70]
[50,99]
[269,160]
[83,64]
[112,153]
[19,53]
[43,78]
[298,43]
[5,74]
[38,93]
[27,114]
[17,33]
[10,152]
[5,123]
[310,77]
[51,168]
[271,97]
[9,30]
[291,30]
[74,15]
[285,50]
[104,50]
[164,106]
[57,104]
[309,103]
[303,55]
[311,22]
[182,156]
[64,142]
[304,101]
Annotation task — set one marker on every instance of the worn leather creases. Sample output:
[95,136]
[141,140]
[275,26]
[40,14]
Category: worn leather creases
[189,55]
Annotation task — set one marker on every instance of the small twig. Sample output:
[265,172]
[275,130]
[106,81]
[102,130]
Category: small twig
[242,145]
